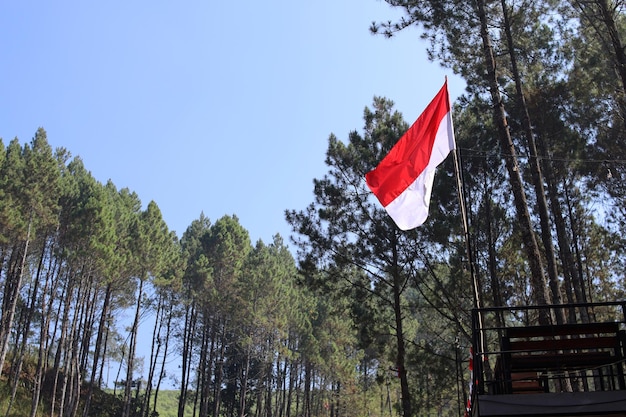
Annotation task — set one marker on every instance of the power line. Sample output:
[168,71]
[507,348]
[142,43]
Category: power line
[473,153]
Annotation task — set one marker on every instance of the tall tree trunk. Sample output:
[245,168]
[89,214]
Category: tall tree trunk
[219,370]
[537,175]
[77,378]
[601,15]
[155,351]
[268,390]
[91,306]
[243,390]
[579,287]
[496,291]
[284,388]
[537,279]
[104,355]
[64,307]
[398,284]
[9,301]
[97,349]
[28,317]
[166,343]
[46,311]
[188,332]
[308,371]
[571,276]
[290,388]
[73,374]
[131,353]
[207,353]
[70,352]
[619,54]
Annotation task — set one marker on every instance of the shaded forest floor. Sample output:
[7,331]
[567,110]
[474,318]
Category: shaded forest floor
[103,403]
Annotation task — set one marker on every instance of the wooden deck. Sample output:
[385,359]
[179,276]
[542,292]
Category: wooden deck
[553,371]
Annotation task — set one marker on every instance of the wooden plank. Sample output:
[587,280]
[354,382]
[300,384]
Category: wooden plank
[526,383]
[600,342]
[563,329]
[560,361]
[553,349]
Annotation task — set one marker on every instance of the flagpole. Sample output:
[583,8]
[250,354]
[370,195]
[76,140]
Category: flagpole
[468,245]
[470,258]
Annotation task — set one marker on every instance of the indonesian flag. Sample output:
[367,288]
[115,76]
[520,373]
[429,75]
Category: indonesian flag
[403,180]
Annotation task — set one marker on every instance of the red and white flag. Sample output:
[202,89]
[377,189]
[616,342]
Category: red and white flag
[403,180]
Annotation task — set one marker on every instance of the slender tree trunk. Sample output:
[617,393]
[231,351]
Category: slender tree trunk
[571,276]
[277,382]
[608,18]
[268,391]
[210,365]
[196,398]
[9,301]
[166,342]
[11,277]
[298,386]
[579,286]
[219,371]
[73,375]
[97,349]
[64,308]
[600,13]
[496,292]
[243,391]
[290,389]
[259,403]
[87,324]
[46,309]
[308,374]
[398,284]
[537,175]
[155,351]
[28,317]
[188,332]
[284,389]
[131,353]
[76,383]
[66,372]
[119,369]
[537,279]
[104,355]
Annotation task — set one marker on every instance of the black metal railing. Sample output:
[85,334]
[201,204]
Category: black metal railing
[547,349]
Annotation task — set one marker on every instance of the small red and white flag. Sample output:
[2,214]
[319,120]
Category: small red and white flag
[403,180]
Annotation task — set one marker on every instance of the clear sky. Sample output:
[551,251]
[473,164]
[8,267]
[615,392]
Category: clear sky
[219,107]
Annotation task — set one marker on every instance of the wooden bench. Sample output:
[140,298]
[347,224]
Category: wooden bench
[528,353]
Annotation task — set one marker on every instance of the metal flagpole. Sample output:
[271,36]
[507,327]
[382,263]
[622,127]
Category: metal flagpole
[478,365]
[468,245]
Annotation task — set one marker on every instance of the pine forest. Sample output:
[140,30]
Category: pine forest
[348,316]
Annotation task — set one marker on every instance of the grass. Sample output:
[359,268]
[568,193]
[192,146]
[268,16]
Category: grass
[167,405]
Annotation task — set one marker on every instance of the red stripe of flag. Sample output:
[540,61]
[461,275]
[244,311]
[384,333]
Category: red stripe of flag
[402,181]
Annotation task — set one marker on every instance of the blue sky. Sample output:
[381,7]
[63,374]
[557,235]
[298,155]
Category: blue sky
[206,106]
